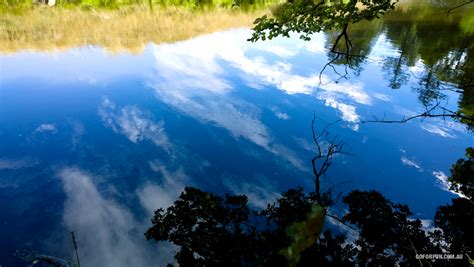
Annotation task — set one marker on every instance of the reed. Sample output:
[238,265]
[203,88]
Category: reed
[129,27]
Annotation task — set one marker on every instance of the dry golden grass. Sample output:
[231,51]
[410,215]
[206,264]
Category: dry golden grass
[130,28]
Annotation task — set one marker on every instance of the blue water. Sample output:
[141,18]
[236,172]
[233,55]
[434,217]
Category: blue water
[93,141]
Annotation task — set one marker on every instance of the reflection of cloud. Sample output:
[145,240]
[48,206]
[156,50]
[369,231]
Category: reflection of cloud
[280,51]
[240,119]
[196,62]
[410,163]
[316,44]
[133,123]
[418,68]
[351,234]
[258,195]
[153,196]
[280,76]
[288,155]
[303,143]
[404,111]
[282,116]
[455,126]
[47,127]
[78,131]
[428,225]
[354,91]
[444,183]
[188,80]
[438,130]
[107,233]
[279,114]
[348,112]
[382,97]
[15,164]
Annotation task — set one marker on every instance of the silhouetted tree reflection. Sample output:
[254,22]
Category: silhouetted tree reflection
[214,231]
[439,45]
[396,71]
[396,68]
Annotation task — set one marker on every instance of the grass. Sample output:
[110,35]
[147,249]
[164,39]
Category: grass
[129,27]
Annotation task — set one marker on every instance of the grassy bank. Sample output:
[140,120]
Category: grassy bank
[129,27]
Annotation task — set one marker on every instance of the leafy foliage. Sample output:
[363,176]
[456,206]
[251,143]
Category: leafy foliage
[204,224]
[387,235]
[308,17]
[462,175]
[212,231]
[455,221]
[215,231]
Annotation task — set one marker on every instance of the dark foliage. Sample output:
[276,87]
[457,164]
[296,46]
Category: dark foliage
[202,223]
[387,235]
[308,17]
[462,175]
[457,219]
[456,222]
[212,231]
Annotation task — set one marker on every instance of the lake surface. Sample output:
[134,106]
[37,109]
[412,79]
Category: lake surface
[93,142]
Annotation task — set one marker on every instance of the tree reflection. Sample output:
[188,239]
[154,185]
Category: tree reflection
[431,46]
[360,47]
[422,35]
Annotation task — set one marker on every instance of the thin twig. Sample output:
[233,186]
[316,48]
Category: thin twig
[341,221]
[459,6]
[75,249]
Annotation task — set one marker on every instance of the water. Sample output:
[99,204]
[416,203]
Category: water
[93,142]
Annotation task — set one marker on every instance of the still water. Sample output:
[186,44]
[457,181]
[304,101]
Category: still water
[93,142]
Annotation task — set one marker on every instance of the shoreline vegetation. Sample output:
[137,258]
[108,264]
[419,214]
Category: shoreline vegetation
[129,27]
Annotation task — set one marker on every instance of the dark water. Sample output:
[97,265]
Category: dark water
[93,142]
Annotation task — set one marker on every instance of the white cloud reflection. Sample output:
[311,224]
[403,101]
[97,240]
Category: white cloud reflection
[135,124]
[444,183]
[437,130]
[316,44]
[348,111]
[259,194]
[411,163]
[279,114]
[277,50]
[46,127]
[108,234]
[153,196]
[382,97]
[190,77]
[15,164]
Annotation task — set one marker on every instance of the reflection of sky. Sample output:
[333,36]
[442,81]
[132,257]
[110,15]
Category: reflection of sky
[95,138]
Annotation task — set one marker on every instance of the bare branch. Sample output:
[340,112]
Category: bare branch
[459,6]
[454,115]
[341,221]
[324,156]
